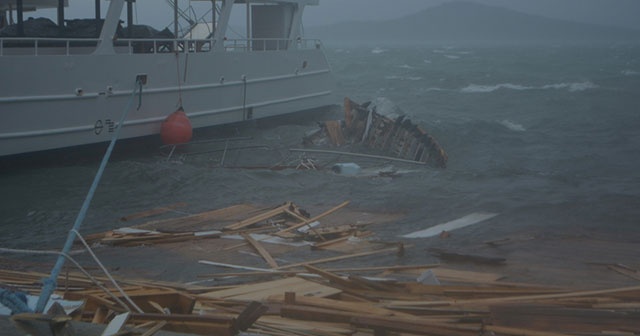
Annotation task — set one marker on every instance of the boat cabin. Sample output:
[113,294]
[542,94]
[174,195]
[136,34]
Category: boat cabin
[269,25]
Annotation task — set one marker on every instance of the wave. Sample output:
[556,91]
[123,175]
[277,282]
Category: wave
[475,88]
[629,72]
[377,50]
[432,89]
[572,87]
[405,66]
[410,78]
[452,56]
[512,126]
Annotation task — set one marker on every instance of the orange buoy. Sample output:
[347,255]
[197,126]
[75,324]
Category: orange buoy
[176,128]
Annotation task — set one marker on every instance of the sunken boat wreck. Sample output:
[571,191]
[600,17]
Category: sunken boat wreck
[386,131]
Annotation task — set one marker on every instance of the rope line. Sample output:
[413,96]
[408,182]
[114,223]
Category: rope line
[104,269]
[76,263]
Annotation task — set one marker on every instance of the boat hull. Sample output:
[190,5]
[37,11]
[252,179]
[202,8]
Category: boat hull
[57,101]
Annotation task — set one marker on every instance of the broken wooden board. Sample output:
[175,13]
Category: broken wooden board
[261,291]
[465,221]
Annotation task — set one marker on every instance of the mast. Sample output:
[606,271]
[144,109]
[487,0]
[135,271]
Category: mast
[105,45]
[223,22]
[97,6]
[60,13]
[20,15]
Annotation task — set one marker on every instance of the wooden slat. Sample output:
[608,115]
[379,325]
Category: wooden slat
[261,291]
[263,252]
[313,219]
[562,319]
[258,218]
[330,276]
[336,258]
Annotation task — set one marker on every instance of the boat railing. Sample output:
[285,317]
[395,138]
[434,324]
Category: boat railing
[270,44]
[36,46]
[32,46]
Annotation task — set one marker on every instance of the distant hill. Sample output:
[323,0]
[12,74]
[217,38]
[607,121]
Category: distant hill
[470,22]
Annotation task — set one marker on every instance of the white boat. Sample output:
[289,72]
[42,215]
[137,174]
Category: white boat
[69,85]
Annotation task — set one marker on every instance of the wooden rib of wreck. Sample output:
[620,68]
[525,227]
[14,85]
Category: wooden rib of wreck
[391,134]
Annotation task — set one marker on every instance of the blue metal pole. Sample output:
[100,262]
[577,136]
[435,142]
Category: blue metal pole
[49,284]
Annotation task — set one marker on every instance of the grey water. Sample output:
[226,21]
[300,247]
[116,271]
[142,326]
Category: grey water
[545,136]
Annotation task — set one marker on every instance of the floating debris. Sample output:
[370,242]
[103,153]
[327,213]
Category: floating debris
[386,132]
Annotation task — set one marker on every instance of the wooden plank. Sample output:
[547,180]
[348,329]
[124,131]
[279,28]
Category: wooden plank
[355,307]
[305,327]
[153,212]
[465,221]
[624,270]
[258,218]
[330,276]
[421,326]
[155,328]
[263,252]
[313,219]
[519,331]
[270,272]
[452,256]
[316,314]
[562,319]
[342,257]
[199,218]
[447,274]
[335,132]
[519,298]
[261,291]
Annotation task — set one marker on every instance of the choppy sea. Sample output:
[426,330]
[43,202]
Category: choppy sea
[547,137]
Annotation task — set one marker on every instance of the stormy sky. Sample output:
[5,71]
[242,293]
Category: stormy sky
[623,13]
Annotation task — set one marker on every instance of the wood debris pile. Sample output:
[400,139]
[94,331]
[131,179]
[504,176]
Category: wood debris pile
[317,301]
[303,298]
[393,135]
[286,221]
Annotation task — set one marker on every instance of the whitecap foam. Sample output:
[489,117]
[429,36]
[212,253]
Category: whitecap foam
[405,66]
[475,88]
[377,50]
[572,87]
[432,89]
[629,72]
[452,56]
[410,78]
[427,61]
[512,126]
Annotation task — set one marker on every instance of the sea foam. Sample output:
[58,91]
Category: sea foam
[475,88]
[512,126]
[572,87]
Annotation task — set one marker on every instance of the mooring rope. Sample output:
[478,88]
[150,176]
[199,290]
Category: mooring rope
[23,309]
[49,284]
[104,269]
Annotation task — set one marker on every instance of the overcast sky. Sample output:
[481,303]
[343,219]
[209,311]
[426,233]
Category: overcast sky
[624,13]
[614,12]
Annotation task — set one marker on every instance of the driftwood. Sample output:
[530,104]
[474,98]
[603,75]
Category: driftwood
[303,298]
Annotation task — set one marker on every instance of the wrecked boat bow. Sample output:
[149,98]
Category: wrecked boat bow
[390,134]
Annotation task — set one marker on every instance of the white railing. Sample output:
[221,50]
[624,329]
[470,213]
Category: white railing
[46,46]
[82,46]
